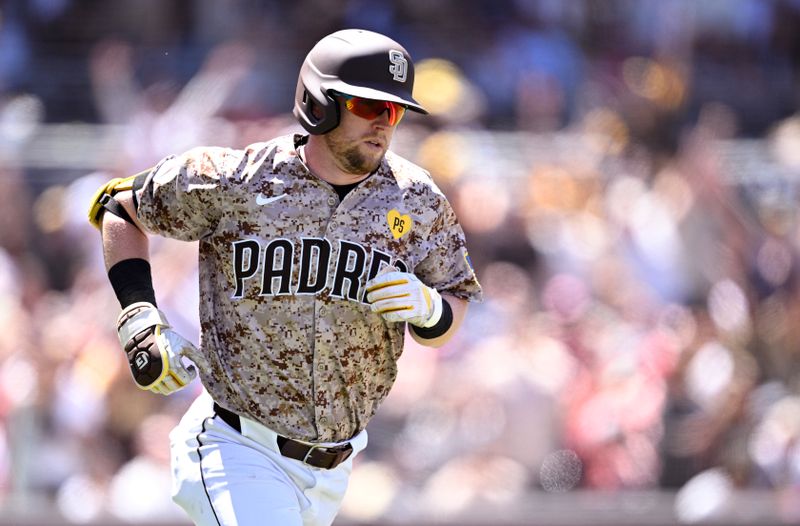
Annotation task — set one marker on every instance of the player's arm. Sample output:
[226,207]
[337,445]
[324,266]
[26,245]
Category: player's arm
[154,350]
[123,239]
[400,296]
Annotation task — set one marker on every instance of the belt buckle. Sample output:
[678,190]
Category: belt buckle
[309,452]
[342,453]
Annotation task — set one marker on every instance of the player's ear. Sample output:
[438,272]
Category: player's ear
[316,111]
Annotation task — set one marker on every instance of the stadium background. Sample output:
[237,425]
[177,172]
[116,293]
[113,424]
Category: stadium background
[626,173]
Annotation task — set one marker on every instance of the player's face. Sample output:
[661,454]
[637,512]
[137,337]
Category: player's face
[358,144]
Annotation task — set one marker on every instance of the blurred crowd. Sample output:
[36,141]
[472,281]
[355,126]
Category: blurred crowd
[626,174]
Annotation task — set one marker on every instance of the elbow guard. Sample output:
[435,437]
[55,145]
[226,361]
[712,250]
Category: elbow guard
[103,198]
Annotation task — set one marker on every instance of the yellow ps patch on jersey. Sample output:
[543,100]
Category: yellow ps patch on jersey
[400,225]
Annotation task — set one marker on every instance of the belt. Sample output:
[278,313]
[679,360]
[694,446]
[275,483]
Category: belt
[313,455]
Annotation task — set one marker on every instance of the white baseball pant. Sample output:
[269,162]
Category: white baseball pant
[221,477]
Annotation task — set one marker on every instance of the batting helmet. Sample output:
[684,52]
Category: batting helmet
[354,62]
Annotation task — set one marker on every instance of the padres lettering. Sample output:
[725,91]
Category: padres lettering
[275,262]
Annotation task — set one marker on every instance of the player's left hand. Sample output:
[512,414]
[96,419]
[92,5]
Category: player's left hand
[401,296]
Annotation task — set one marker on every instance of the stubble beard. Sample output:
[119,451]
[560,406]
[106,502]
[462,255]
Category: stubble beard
[350,158]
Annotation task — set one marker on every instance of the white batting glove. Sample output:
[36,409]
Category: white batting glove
[401,296]
[154,350]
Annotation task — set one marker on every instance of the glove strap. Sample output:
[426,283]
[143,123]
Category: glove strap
[148,316]
[433,297]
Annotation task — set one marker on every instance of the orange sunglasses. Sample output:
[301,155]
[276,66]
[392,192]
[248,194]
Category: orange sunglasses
[371,108]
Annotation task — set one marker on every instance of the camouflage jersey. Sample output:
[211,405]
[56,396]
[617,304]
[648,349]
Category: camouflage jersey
[287,337]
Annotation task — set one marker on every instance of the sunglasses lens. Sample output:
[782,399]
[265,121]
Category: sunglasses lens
[397,114]
[371,109]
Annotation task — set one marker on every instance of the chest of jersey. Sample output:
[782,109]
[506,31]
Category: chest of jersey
[296,238]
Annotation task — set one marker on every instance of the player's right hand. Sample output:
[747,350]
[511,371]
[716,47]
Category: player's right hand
[401,296]
[154,350]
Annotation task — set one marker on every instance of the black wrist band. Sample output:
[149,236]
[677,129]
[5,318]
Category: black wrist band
[441,327]
[132,282]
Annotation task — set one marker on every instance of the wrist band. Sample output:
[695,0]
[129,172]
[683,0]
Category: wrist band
[441,327]
[132,282]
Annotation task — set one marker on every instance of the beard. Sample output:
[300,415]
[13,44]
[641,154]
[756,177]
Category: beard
[350,157]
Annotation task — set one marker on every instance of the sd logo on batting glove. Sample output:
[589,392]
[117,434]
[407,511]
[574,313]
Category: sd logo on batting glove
[154,350]
[401,296]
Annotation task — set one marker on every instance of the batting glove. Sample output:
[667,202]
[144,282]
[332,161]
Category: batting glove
[154,350]
[401,296]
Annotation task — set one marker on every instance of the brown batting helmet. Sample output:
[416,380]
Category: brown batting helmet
[354,62]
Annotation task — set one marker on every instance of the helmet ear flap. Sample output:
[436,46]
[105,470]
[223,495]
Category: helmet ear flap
[316,116]
[318,111]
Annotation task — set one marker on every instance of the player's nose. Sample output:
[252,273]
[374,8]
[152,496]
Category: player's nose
[382,120]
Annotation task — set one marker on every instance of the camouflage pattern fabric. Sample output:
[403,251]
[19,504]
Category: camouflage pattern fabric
[286,335]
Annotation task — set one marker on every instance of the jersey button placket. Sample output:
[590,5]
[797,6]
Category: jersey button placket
[332,223]
[321,353]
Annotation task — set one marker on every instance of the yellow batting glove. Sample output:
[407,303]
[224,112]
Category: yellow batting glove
[401,296]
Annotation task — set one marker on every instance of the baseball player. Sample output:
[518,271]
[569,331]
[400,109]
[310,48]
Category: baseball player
[316,252]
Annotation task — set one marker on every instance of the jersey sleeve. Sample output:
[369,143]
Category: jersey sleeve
[181,196]
[447,266]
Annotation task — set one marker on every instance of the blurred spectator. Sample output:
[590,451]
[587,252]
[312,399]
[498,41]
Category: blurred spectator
[627,177]
[140,491]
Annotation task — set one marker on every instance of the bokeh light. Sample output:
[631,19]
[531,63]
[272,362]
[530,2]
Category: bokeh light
[561,471]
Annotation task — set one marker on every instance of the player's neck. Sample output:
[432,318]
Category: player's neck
[322,164]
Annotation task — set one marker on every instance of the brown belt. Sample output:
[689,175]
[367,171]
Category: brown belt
[316,456]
